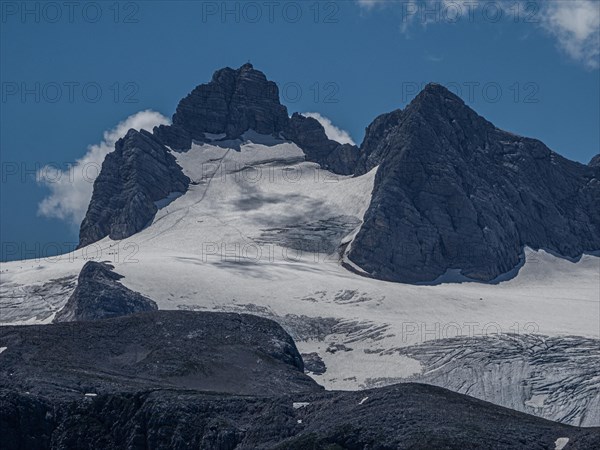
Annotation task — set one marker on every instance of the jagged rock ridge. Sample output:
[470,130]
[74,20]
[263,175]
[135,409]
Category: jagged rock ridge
[310,136]
[233,102]
[137,174]
[453,192]
[236,101]
[453,196]
[142,171]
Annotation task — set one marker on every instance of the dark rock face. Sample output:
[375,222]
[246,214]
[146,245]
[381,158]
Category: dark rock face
[236,101]
[454,192]
[99,295]
[409,416]
[141,170]
[372,150]
[232,103]
[175,137]
[138,173]
[314,363]
[595,161]
[310,136]
[224,352]
[174,379]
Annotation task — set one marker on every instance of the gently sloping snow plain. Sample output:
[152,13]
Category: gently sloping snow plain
[261,231]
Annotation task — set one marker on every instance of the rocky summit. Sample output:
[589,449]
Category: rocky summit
[455,198]
[142,169]
[454,195]
[233,102]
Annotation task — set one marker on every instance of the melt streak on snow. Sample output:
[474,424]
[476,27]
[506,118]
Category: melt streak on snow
[261,231]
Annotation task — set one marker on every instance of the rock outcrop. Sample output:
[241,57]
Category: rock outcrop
[99,295]
[140,172]
[223,352]
[175,379]
[454,193]
[453,196]
[595,161]
[236,101]
[310,136]
[175,137]
[233,102]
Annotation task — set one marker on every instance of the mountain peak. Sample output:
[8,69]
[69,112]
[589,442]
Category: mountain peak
[446,173]
[436,87]
[233,102]
[437,96]
[434,108]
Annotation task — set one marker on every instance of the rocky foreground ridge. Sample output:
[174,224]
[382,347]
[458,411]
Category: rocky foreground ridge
[182,379]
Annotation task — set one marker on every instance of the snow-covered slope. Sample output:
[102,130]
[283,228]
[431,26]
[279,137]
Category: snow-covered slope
[262,231]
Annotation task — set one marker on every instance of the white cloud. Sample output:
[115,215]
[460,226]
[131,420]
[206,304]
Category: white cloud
[71,188]
[576,27]
[332,132]
[368,4]
[434,59]
[574,24]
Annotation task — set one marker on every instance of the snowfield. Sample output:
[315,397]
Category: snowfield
[262,231]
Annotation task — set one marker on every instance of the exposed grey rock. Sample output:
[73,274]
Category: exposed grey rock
[138,173]
[224,352]
[236,101]
[99,295]
[500,368]
[175,137]
[453,192]
[372,149]
[310,136]
[141,171]
[408,416]
[314,363]
[595,161]
[334,348]
[181,380]
[233,102]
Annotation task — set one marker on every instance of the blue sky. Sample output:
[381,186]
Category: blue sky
[71,73]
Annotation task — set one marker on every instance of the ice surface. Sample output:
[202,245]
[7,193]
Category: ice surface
[298,405]
[560,443]
[262,231]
